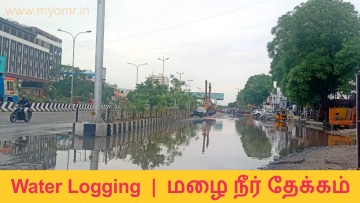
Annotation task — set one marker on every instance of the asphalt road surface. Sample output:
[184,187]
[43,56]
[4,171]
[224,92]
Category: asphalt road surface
[41,123]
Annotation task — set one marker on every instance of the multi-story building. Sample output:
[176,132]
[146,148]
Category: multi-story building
[30,54]
[276,101]
[124,92]
[161,78]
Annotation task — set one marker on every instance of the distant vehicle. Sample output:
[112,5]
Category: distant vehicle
[258,113]
[210,112]
[200,111]
[268,115]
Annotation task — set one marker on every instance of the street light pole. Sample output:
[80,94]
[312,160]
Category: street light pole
[73,59]
[163,74]
[99,57]
[189,84]
[180,73]
[137,70]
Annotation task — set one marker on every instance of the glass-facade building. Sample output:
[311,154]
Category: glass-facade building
[30,52]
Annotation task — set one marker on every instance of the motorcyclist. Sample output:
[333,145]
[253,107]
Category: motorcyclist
[24,102]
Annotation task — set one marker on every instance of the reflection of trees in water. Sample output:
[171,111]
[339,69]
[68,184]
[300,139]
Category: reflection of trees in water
[254,140]
[162,147]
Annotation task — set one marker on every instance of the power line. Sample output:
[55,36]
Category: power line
[191,22]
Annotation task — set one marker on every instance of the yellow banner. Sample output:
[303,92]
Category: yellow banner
[179,186]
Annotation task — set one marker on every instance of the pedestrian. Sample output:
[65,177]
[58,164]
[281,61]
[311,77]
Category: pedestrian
[1,99]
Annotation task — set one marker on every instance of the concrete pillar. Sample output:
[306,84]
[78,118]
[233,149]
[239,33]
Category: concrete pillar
[125,126]
[120,127]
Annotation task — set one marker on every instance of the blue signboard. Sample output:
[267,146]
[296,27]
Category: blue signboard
[2,64]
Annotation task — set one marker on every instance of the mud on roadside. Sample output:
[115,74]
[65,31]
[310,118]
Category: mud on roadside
[318,158]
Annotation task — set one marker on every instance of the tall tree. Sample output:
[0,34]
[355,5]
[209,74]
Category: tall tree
[315,50]
[256,90]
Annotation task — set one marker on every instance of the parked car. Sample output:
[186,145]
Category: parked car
[258,112]
[268,115]
[200,111]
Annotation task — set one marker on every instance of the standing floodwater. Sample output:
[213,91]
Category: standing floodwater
[210,143]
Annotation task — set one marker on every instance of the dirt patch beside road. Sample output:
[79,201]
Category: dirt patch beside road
[318,158]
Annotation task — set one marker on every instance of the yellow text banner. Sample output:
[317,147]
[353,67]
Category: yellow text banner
[179,186]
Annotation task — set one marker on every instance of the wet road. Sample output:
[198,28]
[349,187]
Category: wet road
[209,144]
[41,122]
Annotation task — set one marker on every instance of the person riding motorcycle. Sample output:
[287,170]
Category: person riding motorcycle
[24,102]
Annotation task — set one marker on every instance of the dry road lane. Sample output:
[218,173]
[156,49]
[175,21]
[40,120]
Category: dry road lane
[41,123]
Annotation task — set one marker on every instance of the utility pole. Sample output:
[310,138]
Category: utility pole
[163,74]
[358,119]
[73,59]
[189,84]
[180,73]
[137,70]
[99,57]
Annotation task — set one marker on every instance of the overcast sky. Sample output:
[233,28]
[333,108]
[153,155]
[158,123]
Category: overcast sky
[223,41]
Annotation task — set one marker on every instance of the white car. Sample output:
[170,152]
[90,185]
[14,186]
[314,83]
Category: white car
[268,115]
[258,112]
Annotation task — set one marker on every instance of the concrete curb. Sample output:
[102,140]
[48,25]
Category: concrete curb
[110,129]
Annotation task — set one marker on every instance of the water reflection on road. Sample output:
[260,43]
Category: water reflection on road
[221,143]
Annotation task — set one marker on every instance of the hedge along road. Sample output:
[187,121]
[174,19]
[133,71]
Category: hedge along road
[41,123]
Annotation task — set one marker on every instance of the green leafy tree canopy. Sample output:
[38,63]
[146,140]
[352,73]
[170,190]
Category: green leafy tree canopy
[316,49]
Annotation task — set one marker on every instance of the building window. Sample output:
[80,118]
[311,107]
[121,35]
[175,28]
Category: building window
[6,28]
[20,34]
[13,31]
[6,43]
[10,86]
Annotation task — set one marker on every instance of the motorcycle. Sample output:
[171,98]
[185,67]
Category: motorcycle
[19,114]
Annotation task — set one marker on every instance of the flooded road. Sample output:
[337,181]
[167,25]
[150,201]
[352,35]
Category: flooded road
[208,144]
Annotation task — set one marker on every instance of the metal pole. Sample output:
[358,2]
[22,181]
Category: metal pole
[73,61]
[99,59]
[180,73]
[137,70]
[163,65]
[137,74]
[94,163]
[190,84]
[72,72]
[77,114]
[358,119]
[163,74]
